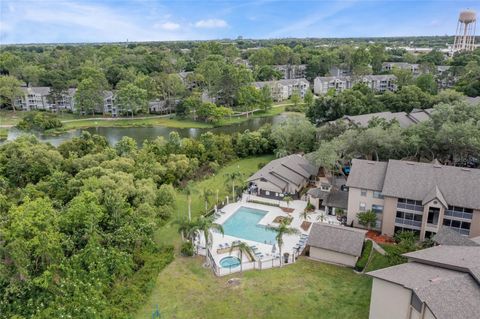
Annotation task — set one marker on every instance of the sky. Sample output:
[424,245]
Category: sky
[72,21]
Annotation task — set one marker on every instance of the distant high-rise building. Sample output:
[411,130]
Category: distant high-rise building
[465,35]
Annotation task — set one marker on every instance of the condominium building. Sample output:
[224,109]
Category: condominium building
[291,71]
[414,68]
[420,197]
[282,90]
[404,119]
[378,83]
[441,282]
[38,98]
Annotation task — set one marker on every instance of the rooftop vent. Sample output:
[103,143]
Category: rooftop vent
[465,169]
[436,279]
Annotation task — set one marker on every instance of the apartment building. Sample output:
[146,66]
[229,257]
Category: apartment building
[414,68]
[282,90]
[419,197]
[291,71]
[38,98]
[378,83]
[441,282]
[404,119]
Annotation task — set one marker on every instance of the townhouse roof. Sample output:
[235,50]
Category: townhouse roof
[41,90]
[285,82]
[345,240]
[370,77]
[447,293]
[424,182]
[416,181]
[337,199]
[402,65]
[367,174]
[293,169]
[450,237]
[333,198]
[404,119]
[473,100]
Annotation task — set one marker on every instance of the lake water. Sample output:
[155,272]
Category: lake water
[139,134]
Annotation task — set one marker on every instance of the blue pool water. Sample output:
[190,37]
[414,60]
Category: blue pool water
[244,224]
[230,262]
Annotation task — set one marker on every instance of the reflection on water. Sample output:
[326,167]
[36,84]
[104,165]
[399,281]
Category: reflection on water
[114,134]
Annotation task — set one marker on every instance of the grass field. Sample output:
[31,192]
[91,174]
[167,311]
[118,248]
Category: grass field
[3,133]
[306,289]
[247,166]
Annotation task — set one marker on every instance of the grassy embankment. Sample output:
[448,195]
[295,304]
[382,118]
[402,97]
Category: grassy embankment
[72,121]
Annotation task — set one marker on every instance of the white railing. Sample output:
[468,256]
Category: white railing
[251,265]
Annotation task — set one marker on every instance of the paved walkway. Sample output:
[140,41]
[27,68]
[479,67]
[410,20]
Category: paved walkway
[378,248]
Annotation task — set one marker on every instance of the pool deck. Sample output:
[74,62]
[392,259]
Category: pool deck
[267,254]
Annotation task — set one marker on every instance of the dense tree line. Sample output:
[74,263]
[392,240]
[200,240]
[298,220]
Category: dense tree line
[452,136]
[77,221]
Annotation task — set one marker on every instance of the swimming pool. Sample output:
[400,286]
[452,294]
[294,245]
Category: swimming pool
[244,224]
[230,262]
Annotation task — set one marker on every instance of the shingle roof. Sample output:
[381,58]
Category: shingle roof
[414,180]
[445,278]
[404,119]
[449,237]
[340,239]
[367,174]
[473,100]
[337,199]
[318,193]
[292,169]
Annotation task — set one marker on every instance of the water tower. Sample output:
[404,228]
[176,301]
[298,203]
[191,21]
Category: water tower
[465,35]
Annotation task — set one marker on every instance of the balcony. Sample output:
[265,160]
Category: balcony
[407,222]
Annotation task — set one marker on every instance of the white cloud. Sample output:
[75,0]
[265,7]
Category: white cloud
[211,23]
[169,26]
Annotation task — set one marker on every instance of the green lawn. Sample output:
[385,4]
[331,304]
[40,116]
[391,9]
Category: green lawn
[133,122]
[307,289]
[3,133]
[247,166]
[380,261]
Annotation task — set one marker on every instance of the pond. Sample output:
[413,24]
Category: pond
[139,134]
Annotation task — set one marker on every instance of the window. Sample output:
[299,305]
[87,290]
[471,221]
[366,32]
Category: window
[363,192]
[267,193]
[378,209]
[378,195]
[363,206]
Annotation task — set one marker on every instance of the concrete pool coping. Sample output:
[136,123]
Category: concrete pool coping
[290,241]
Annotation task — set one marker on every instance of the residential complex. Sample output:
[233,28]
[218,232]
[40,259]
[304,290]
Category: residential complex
[38,98]
[291,71]
[284,176]
[420,197]
[378,83]
[404,119]
[441,282]
[282,90]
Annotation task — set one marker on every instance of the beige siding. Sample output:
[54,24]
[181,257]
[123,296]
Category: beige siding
[355,198]
[428,314]
[332,257]
[389,300]
[475,226]
[389,214]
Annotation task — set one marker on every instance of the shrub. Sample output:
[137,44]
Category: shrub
[187,249]
[367,219]
[39,121]
[362,261]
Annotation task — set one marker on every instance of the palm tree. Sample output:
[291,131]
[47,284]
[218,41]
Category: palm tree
[281,230]
[206,193]
[305,214]
[189,190]
[205,224]
[186,228]
[288,199]
[232,177]
[243,248]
